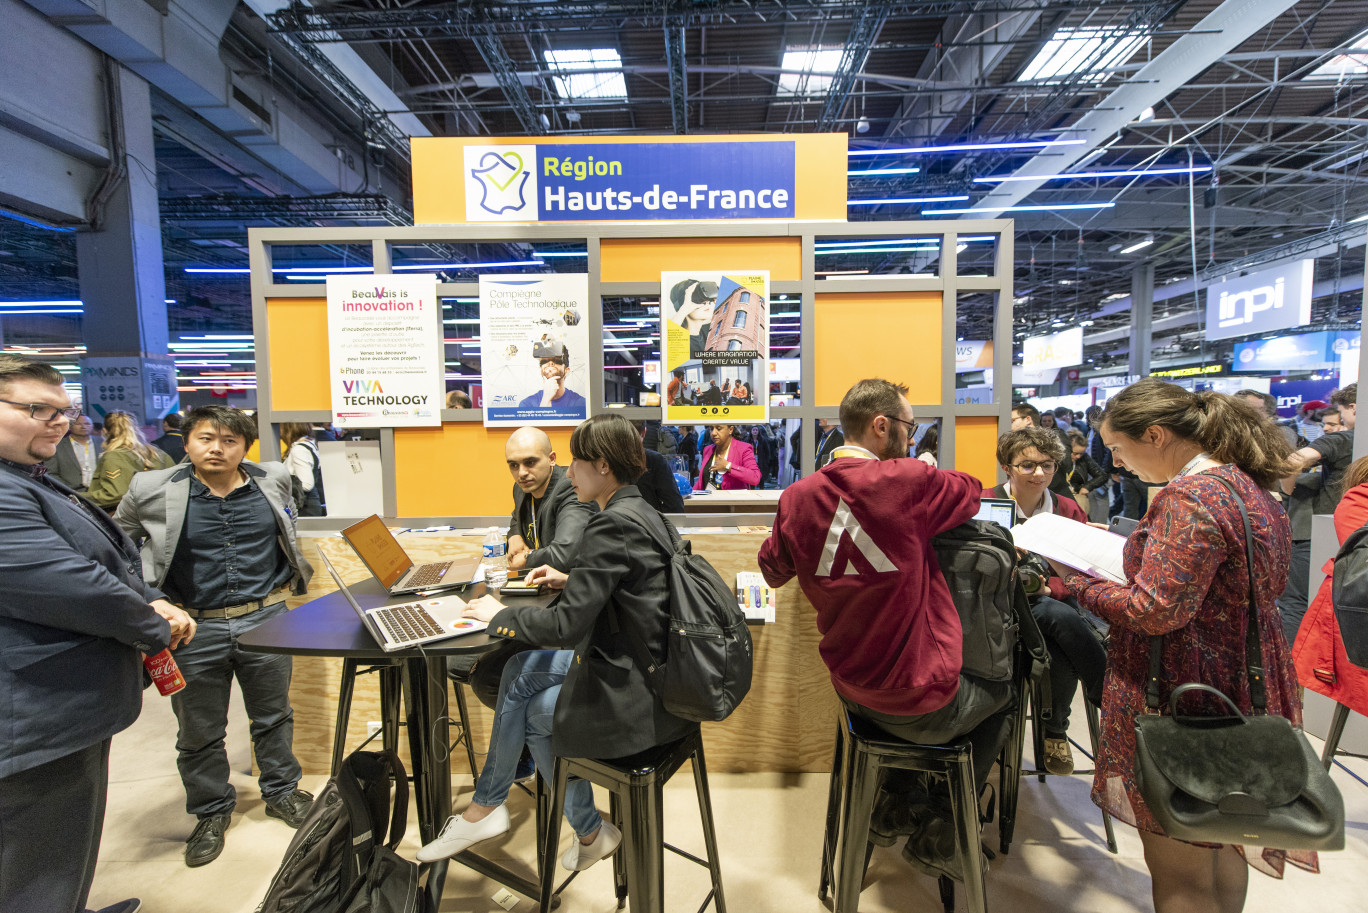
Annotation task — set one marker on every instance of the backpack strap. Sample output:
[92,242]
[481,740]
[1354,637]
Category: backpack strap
[359,848]
[669,540]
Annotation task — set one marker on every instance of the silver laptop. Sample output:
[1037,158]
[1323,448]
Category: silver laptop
[392,566]
[398,627]
[1001,511]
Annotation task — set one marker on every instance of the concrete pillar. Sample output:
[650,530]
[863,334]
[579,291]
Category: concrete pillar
[119,263]
[120,269]
[1142,318]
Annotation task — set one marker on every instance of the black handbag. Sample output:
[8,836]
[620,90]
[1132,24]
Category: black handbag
[1234,779]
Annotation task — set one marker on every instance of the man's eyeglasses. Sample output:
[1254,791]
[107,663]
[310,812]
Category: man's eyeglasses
[1028,467]
[911,426]
[43,412]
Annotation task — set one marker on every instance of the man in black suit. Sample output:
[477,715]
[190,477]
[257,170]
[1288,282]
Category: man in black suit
[74,618]
[77,454]
[172,443]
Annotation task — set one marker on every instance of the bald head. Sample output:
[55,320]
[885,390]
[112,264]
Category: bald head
[530,460]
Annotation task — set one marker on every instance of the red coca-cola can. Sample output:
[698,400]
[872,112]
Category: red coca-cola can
[164,671]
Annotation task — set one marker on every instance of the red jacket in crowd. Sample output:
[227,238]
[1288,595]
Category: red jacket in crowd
[857,535]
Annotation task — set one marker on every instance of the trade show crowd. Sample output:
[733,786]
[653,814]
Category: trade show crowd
[109,556]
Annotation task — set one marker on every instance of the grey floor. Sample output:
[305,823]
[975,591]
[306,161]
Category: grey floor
[770,830]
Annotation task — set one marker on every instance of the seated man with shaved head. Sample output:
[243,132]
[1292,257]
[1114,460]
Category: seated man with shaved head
[545,528]
[547,517]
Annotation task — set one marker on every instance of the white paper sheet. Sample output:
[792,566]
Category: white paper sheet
[1093,551]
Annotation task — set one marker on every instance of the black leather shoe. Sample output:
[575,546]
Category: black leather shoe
[290,808]
[206,840]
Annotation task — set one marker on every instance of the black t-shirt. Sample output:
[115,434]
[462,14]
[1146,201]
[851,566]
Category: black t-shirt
[1337,452]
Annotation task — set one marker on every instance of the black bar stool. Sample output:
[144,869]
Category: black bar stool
[1332,738]
[862,751]
[391,693]
[636,786]
[1093,713]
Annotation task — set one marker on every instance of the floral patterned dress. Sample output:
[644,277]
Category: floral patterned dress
[1188,581]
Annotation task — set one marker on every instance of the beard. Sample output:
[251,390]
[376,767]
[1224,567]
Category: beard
[894,449]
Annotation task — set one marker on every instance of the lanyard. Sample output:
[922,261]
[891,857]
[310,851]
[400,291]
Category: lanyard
[1192,463]
[1047,506]
[853,450]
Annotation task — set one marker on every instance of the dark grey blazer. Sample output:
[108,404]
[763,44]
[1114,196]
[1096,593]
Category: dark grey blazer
[605,709]
[560,522]
[74,616]
[64,464]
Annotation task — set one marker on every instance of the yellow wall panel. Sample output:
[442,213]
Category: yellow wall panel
[643,259]
[896,336]
[298,330]
[458,469]
[976,447]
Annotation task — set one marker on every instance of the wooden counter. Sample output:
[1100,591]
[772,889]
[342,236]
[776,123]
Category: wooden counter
[763,500]
[786,723]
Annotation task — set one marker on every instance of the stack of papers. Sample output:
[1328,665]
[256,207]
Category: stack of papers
[1092,551]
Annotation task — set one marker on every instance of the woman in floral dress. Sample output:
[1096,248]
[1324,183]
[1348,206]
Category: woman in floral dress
[1187,581]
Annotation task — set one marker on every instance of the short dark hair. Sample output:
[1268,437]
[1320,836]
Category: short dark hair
[1345,396]
[867,400]
[172,420]
[1064,412]
[1027,410]
[1013,443]
[1270,405]
[610,437]
[225,418]
[17,367]
[1333,410]
[1076,438]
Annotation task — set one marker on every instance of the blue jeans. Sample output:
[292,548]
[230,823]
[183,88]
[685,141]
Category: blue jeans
[208,664]
[1076,654]
[523,716]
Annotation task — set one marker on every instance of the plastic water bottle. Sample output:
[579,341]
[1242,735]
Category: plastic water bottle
[495,559]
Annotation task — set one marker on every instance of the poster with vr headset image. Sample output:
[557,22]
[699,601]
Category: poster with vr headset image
[714,340]
[533,344]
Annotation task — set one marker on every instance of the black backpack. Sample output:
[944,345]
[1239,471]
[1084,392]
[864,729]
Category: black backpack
[339,859]
[978,561]
[707,668]
[1350,596]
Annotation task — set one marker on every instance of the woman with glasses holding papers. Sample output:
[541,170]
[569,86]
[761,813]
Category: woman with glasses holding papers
[1187,579]
[1030,457]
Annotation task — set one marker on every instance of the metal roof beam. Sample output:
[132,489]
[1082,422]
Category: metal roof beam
[679,77]
[858,43]
[502,66]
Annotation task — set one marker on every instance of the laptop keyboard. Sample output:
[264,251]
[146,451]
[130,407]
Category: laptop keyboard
[428,574]
[406,623]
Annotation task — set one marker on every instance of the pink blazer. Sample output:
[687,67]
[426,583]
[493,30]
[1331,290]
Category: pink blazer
[744,471]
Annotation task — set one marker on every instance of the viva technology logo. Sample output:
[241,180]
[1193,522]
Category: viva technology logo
[362,386]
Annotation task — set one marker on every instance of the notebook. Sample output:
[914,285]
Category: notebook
[393,567]
[1001,511]
[398,627]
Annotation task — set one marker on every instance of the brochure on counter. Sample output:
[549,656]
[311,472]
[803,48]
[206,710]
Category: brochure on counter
[1090,550]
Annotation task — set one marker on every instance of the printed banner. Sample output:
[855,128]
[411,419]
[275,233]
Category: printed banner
[144,387]
[1271,299]
[714,343]
[534,349]
[385,350]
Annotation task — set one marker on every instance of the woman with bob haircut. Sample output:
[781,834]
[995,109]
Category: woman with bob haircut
[1187,579]
[588,699]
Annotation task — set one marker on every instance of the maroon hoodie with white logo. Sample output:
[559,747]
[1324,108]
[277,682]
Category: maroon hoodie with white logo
[857,535]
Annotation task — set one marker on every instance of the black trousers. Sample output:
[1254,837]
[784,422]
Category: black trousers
[51,817]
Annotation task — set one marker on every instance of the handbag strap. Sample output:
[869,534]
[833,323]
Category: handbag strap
[1253,652]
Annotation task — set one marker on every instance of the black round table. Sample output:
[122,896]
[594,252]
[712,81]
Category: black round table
[329,626]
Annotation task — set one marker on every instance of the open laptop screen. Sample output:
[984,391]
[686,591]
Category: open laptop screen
[379,549]
[1001,511]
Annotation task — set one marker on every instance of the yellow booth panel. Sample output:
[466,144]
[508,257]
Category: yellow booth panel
[458,469]
[976,447]
[643,259]
[893,335]
[298,331]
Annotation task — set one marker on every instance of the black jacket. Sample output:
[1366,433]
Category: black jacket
[605,708]
[172,444]
[560,521]
[1087,474]
[657,485]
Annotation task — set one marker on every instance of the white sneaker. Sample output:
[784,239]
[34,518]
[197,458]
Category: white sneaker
[460,834]
[581,855]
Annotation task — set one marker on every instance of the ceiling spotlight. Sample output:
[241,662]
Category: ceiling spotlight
[862,125]
[1147,114]
[572,117]
[1139,245]
[545,122]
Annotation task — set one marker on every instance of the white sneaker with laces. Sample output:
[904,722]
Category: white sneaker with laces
[460,834]
[581,855]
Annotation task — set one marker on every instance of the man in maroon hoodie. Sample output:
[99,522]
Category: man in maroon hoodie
[857,535]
